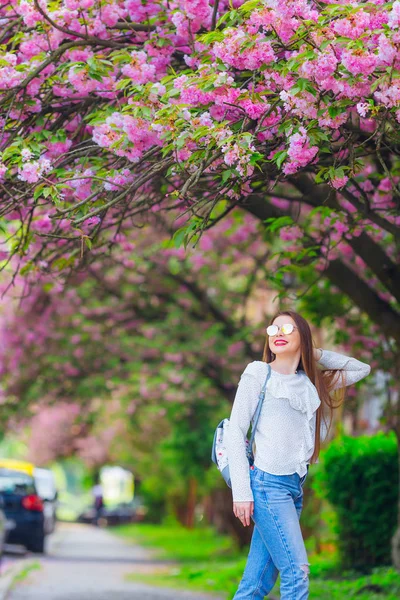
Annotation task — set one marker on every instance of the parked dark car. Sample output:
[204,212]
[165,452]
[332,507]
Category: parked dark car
[3,527]
[23,509]
[132,512]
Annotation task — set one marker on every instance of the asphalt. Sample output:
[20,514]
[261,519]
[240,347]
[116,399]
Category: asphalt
[87,563]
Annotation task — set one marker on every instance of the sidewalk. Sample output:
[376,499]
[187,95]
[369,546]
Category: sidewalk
[87,563]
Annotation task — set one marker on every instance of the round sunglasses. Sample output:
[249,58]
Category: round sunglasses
[286,329]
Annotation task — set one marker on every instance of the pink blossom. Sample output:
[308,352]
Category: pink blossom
[289,234]
[140,12]
[30,172]
[353,26]
[139,69]
[389,95]
[359,62]
[339,182]
[362,108]
[43,224]
[340,227]
[196,10]
[232,52]
[254,109]
[387,51]
[30,16]
[321,68]
[26,154]
[79,78]
[55,149]
[299,151]
[112,13]
[206,243]
[9,77]
[92,220]
[394,16]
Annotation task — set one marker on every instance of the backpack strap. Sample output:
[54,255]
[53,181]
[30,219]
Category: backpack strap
[258,410]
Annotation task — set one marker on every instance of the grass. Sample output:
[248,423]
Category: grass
[24,572]
[210,562]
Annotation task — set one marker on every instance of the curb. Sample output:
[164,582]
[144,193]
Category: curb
[7,578]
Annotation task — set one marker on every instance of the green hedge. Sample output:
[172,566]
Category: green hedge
[360,478]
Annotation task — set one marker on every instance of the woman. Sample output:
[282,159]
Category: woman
[287,441]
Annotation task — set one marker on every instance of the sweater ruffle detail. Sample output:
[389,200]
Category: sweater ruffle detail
[301,397]
[298,390]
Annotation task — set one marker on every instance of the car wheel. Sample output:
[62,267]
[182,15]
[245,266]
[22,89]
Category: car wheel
[37,545]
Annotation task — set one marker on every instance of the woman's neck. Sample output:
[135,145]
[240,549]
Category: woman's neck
[286,365]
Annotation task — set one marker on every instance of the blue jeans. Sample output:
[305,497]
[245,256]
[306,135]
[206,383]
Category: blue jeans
[277,544]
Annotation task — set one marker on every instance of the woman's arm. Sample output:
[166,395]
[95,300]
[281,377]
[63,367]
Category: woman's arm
[243,409]
[352,369]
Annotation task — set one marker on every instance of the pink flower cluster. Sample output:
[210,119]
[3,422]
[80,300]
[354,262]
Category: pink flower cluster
[233,50]
[139,69]
[353,26]
[141,12]
[290,234]
[336,228]
[118,179]
[394,16]
[321,68]
[339,182]
[388,51]
[196,9]
[237,155]
[32,171]
[43,224]
[126,135]
[300,152]
[359,62]
[27,11]
[3,171]
[389,95]
[79,78]
[283,17]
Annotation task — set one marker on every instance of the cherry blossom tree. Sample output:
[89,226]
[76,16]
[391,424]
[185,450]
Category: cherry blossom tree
[115,111]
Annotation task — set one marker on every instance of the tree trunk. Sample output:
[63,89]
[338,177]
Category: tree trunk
[222,517]
[191,502]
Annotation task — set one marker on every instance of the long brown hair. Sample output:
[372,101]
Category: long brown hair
[323,380]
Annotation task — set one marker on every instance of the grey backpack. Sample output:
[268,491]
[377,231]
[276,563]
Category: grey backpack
[219,453]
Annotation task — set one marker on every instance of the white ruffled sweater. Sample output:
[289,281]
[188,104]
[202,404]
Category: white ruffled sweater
[286,428]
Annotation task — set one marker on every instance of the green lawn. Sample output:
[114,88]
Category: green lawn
[210,562]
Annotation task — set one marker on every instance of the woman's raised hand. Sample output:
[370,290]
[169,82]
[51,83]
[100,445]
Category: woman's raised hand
[243,511]
[317,353]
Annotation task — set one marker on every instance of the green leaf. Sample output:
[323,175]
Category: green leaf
[38,191]
[178,237]
[255,157]
[249,6]
[226,175]
[26,268]
[280,157]
[321,175]
[277,223]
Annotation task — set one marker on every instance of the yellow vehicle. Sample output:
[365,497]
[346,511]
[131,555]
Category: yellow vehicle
[17,465]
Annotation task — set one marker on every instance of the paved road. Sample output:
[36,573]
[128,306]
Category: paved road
[86,563]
